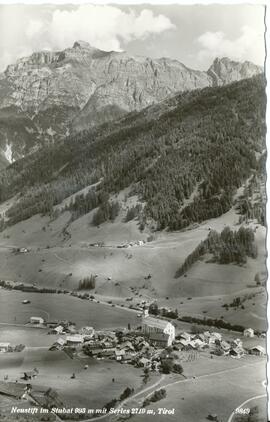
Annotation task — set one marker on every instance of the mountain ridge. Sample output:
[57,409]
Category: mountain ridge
[67,91]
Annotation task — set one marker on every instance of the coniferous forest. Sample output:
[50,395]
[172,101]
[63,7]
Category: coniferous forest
[184,158]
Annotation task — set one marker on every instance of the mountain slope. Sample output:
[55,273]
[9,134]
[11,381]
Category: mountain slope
[184,158]
[57,93]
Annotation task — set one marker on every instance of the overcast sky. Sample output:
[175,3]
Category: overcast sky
[195,35]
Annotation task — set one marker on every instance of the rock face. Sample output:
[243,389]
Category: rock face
[224,71]
[48,95]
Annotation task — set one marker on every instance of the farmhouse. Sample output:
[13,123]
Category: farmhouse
[161,332]
[145,363]
[36,320]
[237,352]
[225,346]
[74,340]
[57,330]
[185,336]
[4,347]
[58,344]
[249,332]
[87,331]
[257,350]
[119,354]
[215,337]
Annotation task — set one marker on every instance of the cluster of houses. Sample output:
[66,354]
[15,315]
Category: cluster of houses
[137,347]
[152,334]
[7,347]
[216,345]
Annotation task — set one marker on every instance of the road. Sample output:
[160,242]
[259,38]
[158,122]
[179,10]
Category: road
[244,403]
[156,384]
[153,386]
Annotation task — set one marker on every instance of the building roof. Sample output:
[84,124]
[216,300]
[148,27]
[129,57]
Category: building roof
[58,329]
[217,336]
[144,360]
[249,329]
[260,348]
[185,335]
[119,352]
[225,345]
[155,323]
[60,341]
[87,330]
[76,338]
[198,342]
[4,344]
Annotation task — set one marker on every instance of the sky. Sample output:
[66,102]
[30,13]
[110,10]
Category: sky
[194,35]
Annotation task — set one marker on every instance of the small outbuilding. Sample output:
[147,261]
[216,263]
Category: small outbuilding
[36,320]
[257,350]
[4,347]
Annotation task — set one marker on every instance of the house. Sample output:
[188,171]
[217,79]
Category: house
[58,344]
[57,330]
[36,320]
[198,343]
[23,250]
[185,336]
[126,345]
[87,331]
[144,363]
[108,353]
[237,352]
[184,344]
[74,340]
[52,324]
[97,352]
[4,347]
[249,332]
[92,345]
[225,346]
[145,312]
[152,326]
[202,337]
[119,354]
[257,351]
[237,342]
[129,358]
[215,337]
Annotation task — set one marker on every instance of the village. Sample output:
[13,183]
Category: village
[153,345]
[149,347]
[152,341]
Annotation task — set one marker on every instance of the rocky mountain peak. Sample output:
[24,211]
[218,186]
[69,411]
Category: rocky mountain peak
[82,44]
[224,70]
[58,92]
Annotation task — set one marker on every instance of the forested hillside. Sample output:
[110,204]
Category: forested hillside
[184,158]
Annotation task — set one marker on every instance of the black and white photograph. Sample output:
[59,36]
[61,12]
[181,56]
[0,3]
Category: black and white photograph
[133,277]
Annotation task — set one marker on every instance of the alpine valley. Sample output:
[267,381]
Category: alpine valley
[132,230]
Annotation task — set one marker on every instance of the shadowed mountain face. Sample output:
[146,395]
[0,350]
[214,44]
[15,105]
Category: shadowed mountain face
[49,95]
[184,157]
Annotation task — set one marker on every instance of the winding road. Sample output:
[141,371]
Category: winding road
[244,403]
